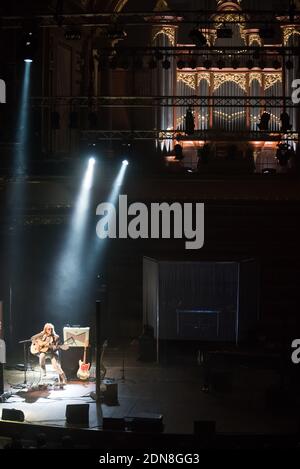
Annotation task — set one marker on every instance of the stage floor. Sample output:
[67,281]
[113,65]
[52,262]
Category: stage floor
[172,388]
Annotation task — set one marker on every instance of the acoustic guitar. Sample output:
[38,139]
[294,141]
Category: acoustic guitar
[43,346]
[83,372]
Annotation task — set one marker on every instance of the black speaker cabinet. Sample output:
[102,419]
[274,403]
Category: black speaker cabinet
[205,428]
[70,360]
[146,422]
[117,424]
[13,414]
[77,414]
[110,392]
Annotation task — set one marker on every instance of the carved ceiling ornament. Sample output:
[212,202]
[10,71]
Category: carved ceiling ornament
[231,18]
[271,79]
[189,79]
[204,76]
[254,38]
[289,31]
[255,76]
[210,36]
[168,31]
[193,79]
[239,78]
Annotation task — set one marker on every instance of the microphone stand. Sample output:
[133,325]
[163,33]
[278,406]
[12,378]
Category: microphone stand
[24,342]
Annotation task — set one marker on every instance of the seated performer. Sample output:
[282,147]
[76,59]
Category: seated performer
[46,345]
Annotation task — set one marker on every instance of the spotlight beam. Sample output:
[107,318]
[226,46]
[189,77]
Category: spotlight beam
[68,284]
[22,129]
[98,248]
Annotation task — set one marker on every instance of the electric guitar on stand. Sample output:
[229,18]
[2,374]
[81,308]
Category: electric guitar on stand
[83,372]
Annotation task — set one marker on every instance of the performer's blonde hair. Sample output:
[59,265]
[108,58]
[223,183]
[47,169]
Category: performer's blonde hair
[49,324]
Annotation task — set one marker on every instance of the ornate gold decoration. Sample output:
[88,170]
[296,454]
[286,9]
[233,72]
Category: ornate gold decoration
[203,76]
[167,31]
[193,79]
[161,5]
[255,76]
[288,31]
[189,79]
[271,79]
[231,18]
[210,35]
[254,37]
[238,78]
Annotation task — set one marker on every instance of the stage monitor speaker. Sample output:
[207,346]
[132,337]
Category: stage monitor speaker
[110,392]
[77,413]
[13,414]
[117,424]
[205,428]
[146,422]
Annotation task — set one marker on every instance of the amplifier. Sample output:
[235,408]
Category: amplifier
[76,336]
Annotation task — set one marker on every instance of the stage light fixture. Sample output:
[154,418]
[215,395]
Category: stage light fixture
[166,64]
[207,64]
[250,64]
[292,11]
[235,64]
[221,63]
[28,46]
[289,64]
[262,64]
[158,55]
[276,64]
[198,38]
[181,64]
[193,63]
[125,162]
